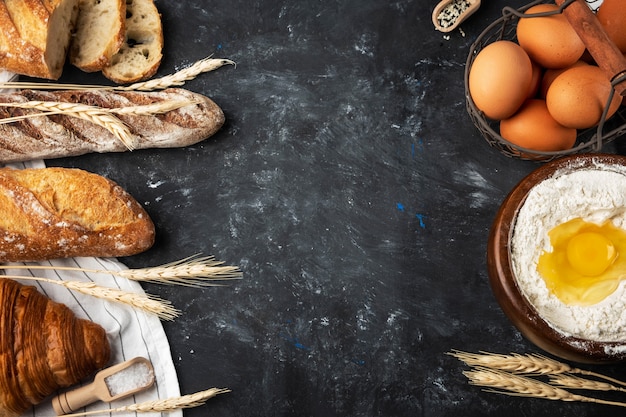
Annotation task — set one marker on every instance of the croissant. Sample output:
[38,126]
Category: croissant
[43,347]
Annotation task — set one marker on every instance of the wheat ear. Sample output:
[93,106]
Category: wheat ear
[154,108]
[176,79]
[169,404]
[530,364]
[193,271]
[179,78]
[91,114]
[576,382]
[501,382]
[148,303]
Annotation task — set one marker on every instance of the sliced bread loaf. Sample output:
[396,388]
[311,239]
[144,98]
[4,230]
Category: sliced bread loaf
[140,55]
[35,36]
[99,34]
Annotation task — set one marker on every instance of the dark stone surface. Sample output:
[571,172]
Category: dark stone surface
[356,195]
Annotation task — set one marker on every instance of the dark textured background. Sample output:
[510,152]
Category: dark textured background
[355,194]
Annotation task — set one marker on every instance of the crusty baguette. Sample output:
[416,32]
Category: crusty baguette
[140,56]
[35,35]
[50,213]
[63,135]
[99,33]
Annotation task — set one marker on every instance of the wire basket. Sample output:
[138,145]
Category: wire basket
[589,140]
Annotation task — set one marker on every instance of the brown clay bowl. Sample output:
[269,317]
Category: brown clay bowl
[504,285]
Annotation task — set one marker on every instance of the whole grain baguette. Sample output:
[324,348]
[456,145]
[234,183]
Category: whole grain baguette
[49,213]
[55,136]
[35,36]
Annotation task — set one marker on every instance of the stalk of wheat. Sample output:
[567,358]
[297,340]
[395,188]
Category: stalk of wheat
[576,382]
[194,271]
[173,80]
[169,404]
[530,364]
[502,382]
[179,78]
[148,303]
[91,114]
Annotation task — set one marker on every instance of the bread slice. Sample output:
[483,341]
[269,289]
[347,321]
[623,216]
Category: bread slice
[99,33]
[35,36]
[140,55]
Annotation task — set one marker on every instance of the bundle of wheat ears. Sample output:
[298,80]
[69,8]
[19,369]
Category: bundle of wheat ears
[105,117]
[536,376]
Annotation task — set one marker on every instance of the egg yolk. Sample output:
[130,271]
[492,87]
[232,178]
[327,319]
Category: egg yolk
[584,266]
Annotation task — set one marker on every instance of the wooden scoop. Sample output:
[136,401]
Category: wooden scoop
[118,381]
[449,14]
[600,46]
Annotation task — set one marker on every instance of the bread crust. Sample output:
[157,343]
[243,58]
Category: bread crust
[62,136]
[35,36]
[50,213]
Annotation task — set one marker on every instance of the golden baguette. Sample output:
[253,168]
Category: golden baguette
[50,213]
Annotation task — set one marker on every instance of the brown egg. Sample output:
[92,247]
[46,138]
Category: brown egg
[612,17]
[535,81]
[549,40]
[577,97]
[532,127]
[550,74]
[499,79]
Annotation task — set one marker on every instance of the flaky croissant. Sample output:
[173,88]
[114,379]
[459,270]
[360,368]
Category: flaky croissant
[43,347]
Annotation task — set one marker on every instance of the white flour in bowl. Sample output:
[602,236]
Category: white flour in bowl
[595,194]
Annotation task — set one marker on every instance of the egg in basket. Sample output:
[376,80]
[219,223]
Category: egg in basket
[538,87]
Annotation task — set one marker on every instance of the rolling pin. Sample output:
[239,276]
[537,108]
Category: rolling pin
[600,46]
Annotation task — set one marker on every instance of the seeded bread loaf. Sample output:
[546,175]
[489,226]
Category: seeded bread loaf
[35,36]
[140,56]
[50,213]
[99,34]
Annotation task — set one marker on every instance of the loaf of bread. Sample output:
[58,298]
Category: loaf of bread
[49,213]
[99,34]
[35,36]
[140,56]
[43,347]
[64,135]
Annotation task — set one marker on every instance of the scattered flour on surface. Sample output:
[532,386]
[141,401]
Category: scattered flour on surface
[596,194]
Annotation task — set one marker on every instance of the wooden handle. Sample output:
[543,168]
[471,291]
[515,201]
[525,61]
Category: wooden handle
[68,402]
[600,46]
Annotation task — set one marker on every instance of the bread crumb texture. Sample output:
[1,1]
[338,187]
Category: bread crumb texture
[141,53]
[99,34]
